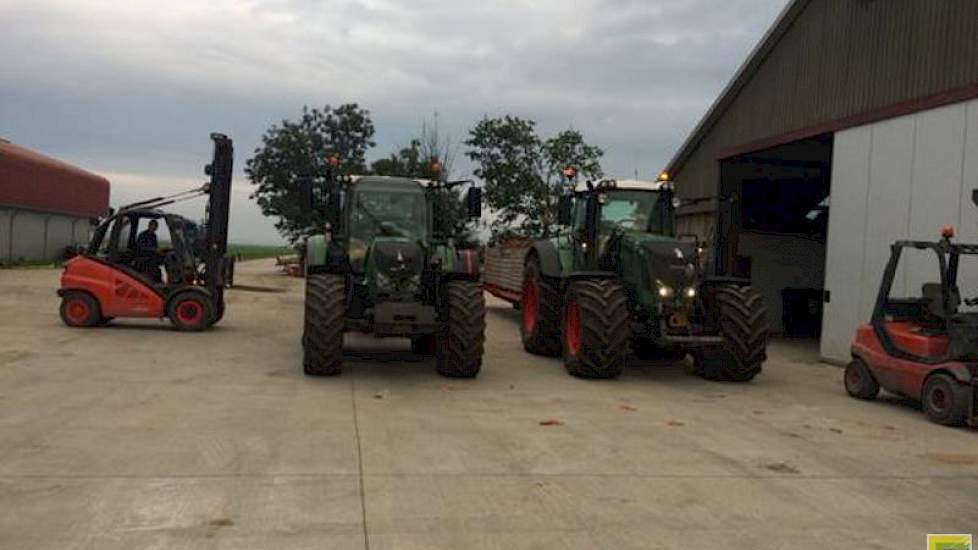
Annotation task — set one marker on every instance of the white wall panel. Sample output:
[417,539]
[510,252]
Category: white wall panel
[843,259]
[936,192]
[891,174]
[897,179]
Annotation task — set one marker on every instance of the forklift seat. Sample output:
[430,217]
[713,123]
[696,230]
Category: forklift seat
[934,296]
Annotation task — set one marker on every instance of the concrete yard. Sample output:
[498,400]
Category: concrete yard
[136,436]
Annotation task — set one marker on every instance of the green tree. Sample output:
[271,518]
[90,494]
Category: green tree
[524,173]
[417,160]
[294,150]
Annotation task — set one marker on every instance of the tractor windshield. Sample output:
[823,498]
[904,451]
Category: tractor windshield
[388,213]
[646,211]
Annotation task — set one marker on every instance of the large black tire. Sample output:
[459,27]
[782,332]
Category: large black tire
[80,309]
[460,343]
[595,344]
[322,334]
[859,381]
[742,320]
[190,311]
[944,400]
[540,312]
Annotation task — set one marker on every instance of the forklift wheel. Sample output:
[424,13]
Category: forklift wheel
[190,311]
[79,309]
[860,382]
[944,400]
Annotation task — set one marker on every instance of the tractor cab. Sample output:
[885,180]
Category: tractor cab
[922,338]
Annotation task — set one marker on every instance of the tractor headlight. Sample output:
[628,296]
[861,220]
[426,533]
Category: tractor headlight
[665,291]
[690,293]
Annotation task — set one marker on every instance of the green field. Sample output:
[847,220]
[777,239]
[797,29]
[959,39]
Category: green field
[257,251]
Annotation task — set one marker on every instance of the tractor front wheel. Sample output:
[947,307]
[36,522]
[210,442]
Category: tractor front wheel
[80,309]
[322,335]
[460,344]
[540,312]
[190,311]
[944,400]
[742,320]
[595,329]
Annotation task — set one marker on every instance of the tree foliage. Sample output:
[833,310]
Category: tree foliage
[297,149]
[523,173]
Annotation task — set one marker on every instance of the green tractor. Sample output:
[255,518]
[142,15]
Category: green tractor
[378,268]
[620,279]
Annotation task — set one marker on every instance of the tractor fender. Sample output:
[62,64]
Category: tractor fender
[546,254]
[325,256]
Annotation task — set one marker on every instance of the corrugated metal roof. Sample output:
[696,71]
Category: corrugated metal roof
[31,180]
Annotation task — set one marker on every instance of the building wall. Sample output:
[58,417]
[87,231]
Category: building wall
[898,179]
[836,59]
[28,237]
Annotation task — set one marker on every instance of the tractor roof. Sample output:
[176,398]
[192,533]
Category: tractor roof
[626,184]
[389,182]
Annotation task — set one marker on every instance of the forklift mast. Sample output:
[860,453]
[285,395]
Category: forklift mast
[218,209]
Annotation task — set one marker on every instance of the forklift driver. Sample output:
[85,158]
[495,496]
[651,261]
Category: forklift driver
[147,258]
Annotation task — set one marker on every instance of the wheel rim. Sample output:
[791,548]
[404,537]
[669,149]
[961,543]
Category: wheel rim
[938,399]
[76,310]
[529,306]
[572,328]
[854,379]
[189,312]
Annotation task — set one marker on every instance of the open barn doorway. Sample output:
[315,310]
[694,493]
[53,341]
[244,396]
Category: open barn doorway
[773,228]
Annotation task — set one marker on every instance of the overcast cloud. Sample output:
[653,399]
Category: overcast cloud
[132,89]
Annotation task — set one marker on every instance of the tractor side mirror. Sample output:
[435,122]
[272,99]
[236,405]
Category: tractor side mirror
[305,196]
[473,203]
[565,207]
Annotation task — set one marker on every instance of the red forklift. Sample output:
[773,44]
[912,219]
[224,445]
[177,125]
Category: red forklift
[116,277]
[924,347]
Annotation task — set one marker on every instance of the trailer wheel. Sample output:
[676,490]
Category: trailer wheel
[190,311]
[460,344]
[944,400]
[595,329]
[859,381]
[539,312]
[322,335]
[80,309]
[742,320]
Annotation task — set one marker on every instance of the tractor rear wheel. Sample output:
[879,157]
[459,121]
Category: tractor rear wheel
[460,344]
[859,381]
[322,334]
[742,320]
[540,312]
[944,400]
[80,309]
[595,329]
[190,311]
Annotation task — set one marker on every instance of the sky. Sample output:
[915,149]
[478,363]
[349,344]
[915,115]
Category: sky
[131,90]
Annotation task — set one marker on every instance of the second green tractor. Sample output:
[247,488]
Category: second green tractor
[620,280]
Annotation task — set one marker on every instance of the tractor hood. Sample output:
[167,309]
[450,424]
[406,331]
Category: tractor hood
[394,267]
[668,260]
